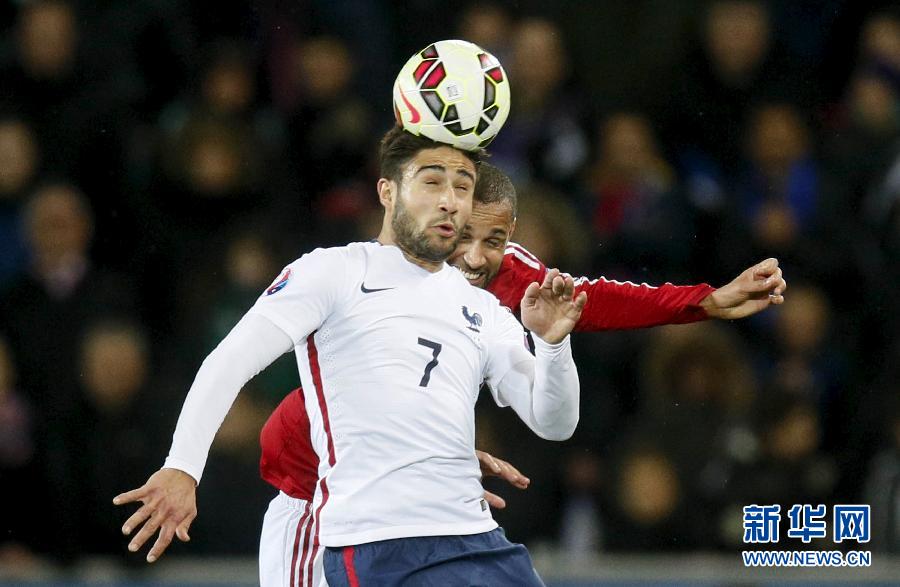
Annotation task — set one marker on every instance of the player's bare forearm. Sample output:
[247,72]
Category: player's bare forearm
[169,499]
[754,290]
[550,310]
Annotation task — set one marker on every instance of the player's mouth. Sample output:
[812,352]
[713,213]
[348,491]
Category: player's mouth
[475,278]
[445,229]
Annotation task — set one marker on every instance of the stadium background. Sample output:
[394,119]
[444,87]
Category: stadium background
[160,161]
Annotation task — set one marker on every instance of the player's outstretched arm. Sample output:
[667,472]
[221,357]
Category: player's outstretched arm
[169,503]
[491,466]
[169,499]
[550,309]
[754,290]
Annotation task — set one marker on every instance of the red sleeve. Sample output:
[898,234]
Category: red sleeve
[611,305]
[614,305]
[518,270]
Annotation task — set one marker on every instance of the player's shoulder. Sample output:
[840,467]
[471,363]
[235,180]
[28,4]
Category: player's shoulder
[341,254]
[518,257]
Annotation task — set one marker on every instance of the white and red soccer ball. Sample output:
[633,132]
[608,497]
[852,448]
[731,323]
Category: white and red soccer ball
[453,92]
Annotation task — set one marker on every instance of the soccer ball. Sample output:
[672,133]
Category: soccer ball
[452,92]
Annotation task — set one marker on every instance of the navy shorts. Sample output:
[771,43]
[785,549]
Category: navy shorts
[487,559]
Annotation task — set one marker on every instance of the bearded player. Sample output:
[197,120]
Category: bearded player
[488,260]
[394,345]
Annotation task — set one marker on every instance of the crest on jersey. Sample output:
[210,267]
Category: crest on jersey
[474,320]
[280,282]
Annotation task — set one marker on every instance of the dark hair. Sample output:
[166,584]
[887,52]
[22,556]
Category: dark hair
[399,146]
[494,187]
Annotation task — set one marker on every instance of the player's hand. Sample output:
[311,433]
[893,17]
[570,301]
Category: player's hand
[493,467]
[170,505]
[754,290]
[549,309]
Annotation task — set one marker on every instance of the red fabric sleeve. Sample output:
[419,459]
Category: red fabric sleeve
[611,305]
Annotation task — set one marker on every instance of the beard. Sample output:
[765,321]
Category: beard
[415,242]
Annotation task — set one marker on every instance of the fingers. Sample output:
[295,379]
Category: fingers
[494,500]
[531,294]
[137,518]
[131,496]
[768,283]
[489,462]
[162,542]
[513,476]
[580,301]
[182,530]
[148,530]
[781,287]
[549,277]
[765,268]
[563,286]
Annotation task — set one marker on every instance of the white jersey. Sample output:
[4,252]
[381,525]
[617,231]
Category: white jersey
[392,357]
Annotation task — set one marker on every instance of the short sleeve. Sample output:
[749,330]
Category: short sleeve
[305,293]
[507,347]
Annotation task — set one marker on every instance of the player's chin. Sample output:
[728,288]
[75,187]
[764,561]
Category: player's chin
[443,245]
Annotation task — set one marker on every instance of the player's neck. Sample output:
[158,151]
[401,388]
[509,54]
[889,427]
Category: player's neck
[386,238]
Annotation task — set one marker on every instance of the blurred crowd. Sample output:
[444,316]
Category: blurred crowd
[160,161]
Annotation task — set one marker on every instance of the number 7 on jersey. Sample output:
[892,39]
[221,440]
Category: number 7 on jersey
[435,351]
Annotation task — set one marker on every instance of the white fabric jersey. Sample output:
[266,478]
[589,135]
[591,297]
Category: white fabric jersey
[392,357]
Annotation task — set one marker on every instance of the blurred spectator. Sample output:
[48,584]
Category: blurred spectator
[637,216]
[783,207]
[71,105]
[44,313]
[545,137]
[805,359]
[216,148]
[544,217]
[331,127]
[780,193]
[736,65]
[881,44]
[698,389]
[792,467]
[862,144]
[213,181]
[250,266]
[79,105]
[226,91]
[19,161]
[122,437]
[648,501]
[489,25]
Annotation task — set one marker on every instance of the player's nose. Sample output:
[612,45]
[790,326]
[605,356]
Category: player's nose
[448,202]
[474,258]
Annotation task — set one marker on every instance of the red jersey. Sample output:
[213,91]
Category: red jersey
[288,461]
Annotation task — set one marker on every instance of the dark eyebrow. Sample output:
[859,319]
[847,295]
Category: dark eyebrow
[443,169]
[466,173]
[435,167]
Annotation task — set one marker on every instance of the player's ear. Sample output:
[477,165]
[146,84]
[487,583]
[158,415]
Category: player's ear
[386,192]
[512,230]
